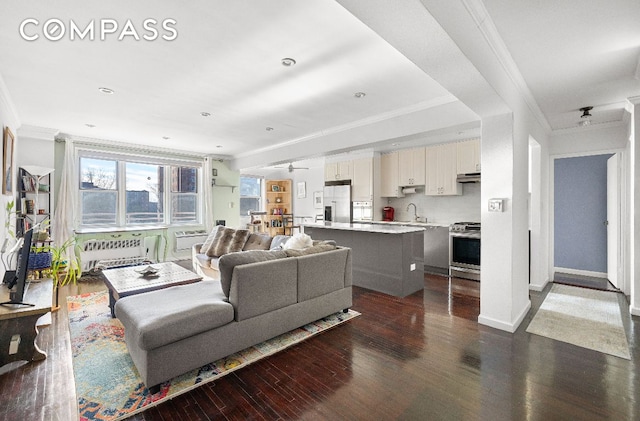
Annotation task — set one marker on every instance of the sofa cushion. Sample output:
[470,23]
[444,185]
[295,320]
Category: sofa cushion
[320,248]
[229,261]
[164,316]
[228,240]
[257,242]
[209,241]
[278,241]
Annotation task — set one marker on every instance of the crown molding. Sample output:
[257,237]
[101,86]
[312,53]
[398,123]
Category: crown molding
[36,132]
[6,101]
[420,106]
[593,126]
[480,15]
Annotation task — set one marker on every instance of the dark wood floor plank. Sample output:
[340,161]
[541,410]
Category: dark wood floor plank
[420,357]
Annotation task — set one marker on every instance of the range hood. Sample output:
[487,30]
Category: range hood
[469,178]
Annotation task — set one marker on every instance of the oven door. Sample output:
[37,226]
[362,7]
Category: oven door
[464,250]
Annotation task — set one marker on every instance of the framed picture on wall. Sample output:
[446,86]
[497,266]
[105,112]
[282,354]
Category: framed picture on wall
[7,162]
[302,190]
[317,199]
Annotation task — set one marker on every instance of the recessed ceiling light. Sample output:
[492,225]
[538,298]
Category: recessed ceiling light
[166,137]
[394,144]
[90,125]
[269,129]
[288,62]
[205,114]
[359,94]
[106,91]
[218,146]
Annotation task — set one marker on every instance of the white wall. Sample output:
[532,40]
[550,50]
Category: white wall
[588,141]
[226,200]
[8,118]
[440,209]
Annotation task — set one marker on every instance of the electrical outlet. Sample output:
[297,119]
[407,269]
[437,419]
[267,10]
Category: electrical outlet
[13,346]
[413,267]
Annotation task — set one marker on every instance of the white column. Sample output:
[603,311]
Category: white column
[634,201]
[504,288]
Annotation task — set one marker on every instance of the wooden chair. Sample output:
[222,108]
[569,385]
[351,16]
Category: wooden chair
[288,224]
[257,221]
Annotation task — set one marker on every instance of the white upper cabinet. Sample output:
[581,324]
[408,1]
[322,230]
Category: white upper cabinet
[362,180]
[337,171]
[441,171]
[411,171]
[468,158]
[389,186]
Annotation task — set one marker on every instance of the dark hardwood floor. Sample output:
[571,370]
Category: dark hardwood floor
[421,357]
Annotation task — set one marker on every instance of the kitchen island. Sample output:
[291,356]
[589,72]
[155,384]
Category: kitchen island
[386,258]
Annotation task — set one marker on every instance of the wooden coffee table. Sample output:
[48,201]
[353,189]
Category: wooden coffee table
[123,282]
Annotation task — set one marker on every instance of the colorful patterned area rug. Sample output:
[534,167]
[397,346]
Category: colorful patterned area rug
[108,386]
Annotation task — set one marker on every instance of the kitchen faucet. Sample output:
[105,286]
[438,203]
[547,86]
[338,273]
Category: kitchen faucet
[415,211]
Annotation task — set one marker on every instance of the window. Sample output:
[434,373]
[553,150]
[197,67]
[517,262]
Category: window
[184,194]
[126,191]
[98,191]
[250,196]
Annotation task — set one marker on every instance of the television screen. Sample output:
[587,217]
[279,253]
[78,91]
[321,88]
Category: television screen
[20,279]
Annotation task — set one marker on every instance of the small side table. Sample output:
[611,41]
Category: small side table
[20,321]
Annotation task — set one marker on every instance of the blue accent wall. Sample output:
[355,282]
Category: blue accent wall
[580,209]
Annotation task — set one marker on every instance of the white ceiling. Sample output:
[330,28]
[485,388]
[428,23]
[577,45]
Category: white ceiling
[574,54]
[226,61]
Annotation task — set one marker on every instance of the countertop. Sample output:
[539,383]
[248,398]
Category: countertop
[384,228]
[411,224]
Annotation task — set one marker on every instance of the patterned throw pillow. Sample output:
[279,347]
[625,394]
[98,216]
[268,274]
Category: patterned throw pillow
[209,241]
[227,240]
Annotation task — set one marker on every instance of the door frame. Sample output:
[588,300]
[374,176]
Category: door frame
[624,216]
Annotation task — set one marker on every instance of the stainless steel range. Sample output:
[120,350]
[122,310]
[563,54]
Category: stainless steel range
[464,250]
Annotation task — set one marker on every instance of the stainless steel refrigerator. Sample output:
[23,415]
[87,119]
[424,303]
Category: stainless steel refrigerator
[337,203]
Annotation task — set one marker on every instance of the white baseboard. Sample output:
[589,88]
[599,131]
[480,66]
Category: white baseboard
[539,288]
[506,326]
[581,272]
[635,311]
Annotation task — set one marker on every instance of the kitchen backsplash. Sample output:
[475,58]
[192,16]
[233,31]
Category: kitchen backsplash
[440,209]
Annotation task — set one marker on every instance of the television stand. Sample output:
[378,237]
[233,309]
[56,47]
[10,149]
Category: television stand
[18,331]
[16,303]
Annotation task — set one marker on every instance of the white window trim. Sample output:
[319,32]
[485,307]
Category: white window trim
[150,158]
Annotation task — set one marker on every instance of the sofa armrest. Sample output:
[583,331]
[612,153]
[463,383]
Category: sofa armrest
[195,249]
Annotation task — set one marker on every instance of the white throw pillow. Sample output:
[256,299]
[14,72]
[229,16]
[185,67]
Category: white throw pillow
[298,241]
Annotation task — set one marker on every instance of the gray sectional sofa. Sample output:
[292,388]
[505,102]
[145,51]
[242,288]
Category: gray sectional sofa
[260,294]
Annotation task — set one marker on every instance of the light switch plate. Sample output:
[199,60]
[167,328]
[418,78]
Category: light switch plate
[496,205]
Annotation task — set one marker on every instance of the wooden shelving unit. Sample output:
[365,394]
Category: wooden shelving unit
[279,202]
[26,216]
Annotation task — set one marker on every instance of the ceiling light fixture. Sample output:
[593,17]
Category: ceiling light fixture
[166,137]
[205,114]
[359,94]
[585,118]
[91,126]
[218,146]
[288,62]
[106,91]
[269,129]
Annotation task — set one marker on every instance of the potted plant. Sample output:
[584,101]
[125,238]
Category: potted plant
[66,266]
[65,262]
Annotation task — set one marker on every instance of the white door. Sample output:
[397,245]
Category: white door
[613,219]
